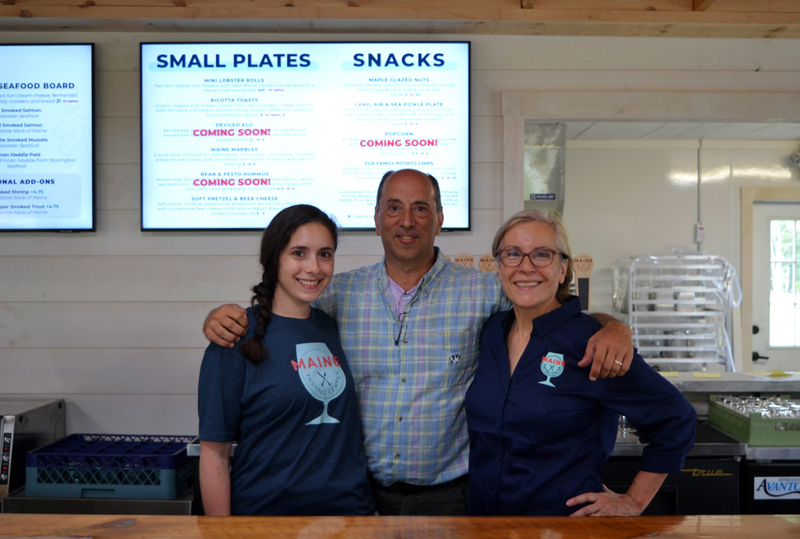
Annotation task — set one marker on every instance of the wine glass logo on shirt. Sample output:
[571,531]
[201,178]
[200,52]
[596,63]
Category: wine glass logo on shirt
[322,376]
[552,366]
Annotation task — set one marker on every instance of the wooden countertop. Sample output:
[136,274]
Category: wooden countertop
[184,527]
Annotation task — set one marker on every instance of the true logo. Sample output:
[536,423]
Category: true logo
[552,366]
[453,360]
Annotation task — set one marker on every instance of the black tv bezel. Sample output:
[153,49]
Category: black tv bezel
[467,228]
[93,81]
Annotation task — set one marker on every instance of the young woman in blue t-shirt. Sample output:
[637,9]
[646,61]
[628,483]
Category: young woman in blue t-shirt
[284,392]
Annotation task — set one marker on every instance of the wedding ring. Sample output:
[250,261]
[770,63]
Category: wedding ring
[618,363]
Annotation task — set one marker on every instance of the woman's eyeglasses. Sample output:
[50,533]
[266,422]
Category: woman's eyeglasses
[541,258]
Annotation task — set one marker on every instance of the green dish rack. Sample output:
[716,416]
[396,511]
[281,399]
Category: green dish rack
[755,430]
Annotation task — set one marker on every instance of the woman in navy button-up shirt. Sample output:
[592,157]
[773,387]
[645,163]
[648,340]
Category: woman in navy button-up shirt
[539,429]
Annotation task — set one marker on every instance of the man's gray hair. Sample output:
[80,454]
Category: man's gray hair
[437,195]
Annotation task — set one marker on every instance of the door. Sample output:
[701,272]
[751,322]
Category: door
[776,286]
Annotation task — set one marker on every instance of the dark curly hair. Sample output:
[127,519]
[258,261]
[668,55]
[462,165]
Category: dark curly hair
[275,239]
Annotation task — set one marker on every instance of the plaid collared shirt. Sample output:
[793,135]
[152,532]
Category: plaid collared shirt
[411,376]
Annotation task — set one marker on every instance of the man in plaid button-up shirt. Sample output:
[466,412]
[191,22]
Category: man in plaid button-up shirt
[409,326]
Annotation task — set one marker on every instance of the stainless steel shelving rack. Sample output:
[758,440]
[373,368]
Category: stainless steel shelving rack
[677,306]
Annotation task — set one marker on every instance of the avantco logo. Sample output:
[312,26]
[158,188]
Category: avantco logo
[772,488]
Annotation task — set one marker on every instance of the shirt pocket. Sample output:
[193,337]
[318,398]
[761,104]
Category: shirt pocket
[450,356]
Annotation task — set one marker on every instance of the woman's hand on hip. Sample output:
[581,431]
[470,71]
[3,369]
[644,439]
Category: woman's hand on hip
[604,504]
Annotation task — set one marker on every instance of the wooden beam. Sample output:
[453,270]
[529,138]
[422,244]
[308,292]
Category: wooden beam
[620,18]
[652,106]
[129,4]
[701,5]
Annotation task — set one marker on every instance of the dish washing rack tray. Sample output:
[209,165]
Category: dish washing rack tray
[678,306]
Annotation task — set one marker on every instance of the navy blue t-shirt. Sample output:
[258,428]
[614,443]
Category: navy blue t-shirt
[541,436]
[295,417]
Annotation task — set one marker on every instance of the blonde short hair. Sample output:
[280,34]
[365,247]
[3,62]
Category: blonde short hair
[562,242]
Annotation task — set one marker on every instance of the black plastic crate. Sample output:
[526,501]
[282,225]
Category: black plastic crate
[110,466]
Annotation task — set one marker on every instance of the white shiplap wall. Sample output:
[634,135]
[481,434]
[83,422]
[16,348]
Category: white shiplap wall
[111,319]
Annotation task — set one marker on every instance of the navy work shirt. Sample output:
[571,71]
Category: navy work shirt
[541,436]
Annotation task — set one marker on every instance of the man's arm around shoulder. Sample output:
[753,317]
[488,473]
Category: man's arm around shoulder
[610,350]
[225,325]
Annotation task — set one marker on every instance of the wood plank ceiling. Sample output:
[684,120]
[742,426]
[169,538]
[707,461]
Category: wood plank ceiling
[672,18]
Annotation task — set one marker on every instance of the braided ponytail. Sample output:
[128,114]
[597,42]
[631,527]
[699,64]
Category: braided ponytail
[275,239]
[253,348]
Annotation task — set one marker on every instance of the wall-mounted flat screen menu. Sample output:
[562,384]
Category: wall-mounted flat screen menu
[46,148]
[234,132]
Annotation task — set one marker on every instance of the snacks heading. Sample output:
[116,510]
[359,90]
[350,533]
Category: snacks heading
[407,60]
